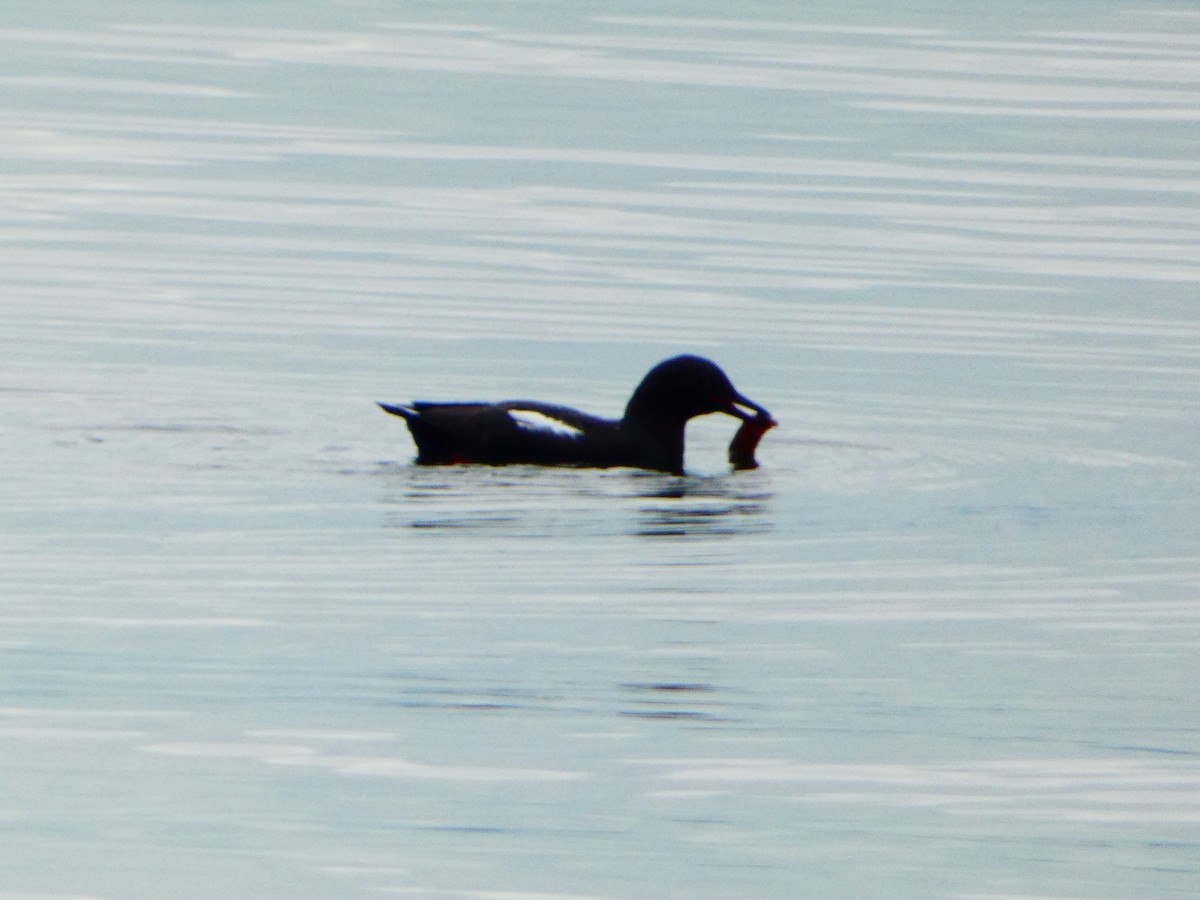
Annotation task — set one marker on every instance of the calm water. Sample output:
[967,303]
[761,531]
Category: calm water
[943,644]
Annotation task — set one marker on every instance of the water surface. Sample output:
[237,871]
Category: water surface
[942,644]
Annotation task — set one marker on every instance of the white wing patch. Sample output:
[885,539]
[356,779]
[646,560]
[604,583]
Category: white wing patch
[529,420]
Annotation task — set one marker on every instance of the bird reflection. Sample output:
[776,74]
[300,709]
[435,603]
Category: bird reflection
[672,700]
[692,506]
[576,503]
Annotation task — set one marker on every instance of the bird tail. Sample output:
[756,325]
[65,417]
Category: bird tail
[405,412]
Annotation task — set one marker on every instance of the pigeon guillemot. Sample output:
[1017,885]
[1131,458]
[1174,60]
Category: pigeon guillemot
[648,436]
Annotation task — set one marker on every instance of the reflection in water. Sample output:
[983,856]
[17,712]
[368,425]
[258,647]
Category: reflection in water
[723,505]
[671,700]
[569,502]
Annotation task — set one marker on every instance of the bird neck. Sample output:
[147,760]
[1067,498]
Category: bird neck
[662,436]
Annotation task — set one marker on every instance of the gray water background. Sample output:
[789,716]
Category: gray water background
[943,644]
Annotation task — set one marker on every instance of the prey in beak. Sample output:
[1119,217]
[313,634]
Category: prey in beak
[756,422]
[747,410]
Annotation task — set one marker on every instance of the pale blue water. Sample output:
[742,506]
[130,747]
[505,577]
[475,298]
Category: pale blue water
[943,644]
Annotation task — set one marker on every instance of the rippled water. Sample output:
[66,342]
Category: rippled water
[942,644]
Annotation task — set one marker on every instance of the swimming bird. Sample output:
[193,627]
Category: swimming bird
[648,436]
